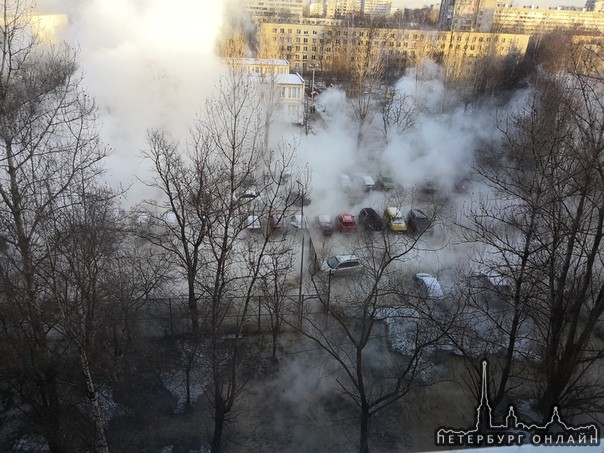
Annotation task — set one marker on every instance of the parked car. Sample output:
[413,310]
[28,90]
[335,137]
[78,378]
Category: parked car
[364,182]
[277,223]
[370,220]
[298,221]
[428,186]
[252,223]
[341,264]
[417,221]
[345,183]
[346,223]
[429,286]
[493,288]
[298,199]
[384,182]
[323,223]
[394,220]
[248,196]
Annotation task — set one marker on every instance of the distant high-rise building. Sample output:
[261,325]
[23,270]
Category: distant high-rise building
[468,15]
[489,16]
[376,7]
[274,9]
[336,8]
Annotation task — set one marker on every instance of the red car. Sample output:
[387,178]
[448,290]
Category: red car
[346,223]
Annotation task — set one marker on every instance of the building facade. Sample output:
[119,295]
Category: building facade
[276,86]
[491,16]
[308,46]
[532,20]
[263,10]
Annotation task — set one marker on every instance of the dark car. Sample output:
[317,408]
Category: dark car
[417,222]
[277,223]
[298,199]
[323,223]
[346,223]
[370,220]
[384,182]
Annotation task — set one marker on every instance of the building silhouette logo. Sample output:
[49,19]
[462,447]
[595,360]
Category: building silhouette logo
[554,432]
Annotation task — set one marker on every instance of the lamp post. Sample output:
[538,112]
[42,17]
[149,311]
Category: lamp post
[300,306]
[312,87]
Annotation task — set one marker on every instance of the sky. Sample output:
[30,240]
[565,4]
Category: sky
[148,63]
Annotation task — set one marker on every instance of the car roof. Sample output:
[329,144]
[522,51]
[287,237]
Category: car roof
[418,213]
[432,284]
[370,211]
[393,211]
[324,218]
[342,258]
[347,217]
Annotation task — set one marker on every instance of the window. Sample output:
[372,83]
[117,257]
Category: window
[305,40]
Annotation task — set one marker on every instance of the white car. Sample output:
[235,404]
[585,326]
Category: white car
[365,182]
[345,182]
[429,286]
[297,221]
[341,264]
[252,223]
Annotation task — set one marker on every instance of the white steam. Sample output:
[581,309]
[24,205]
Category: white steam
[148,64]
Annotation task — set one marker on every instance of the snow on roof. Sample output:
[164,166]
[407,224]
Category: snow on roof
[289,79]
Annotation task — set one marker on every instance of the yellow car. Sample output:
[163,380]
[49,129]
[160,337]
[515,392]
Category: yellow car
[394,220]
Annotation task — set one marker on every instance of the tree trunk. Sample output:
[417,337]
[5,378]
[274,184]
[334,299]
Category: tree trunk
[365,419]
[193,310]
[219,416]
[101,439]
[53,415]
[188,388]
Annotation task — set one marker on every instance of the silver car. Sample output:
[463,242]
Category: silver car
[341,264]
[429,286]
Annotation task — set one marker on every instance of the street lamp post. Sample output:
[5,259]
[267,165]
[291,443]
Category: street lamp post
[300,303]
[312,88]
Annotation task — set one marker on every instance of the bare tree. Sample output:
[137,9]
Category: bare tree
[178,220]
[376,296]
[275,284]
[543,231]
[47,142]
[215,196]
[398,113]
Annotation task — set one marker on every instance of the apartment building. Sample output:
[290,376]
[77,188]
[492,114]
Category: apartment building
[376,7]
[263,10]
[533,20]
[315,46]
[491,16]
[468,15]
[337,8]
